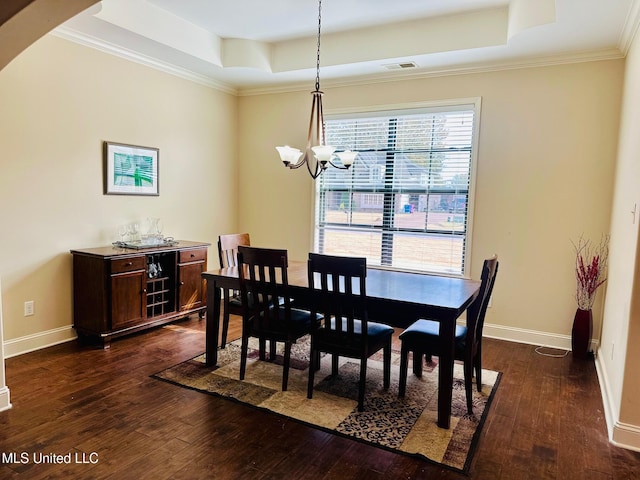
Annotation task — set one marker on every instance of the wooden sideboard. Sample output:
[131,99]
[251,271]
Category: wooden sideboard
[118,291]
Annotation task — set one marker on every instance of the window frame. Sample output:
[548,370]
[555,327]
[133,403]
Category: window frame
[417,108]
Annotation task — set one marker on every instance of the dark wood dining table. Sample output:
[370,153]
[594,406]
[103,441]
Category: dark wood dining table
[395,298]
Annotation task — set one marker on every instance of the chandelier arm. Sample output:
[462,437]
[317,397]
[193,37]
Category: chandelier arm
[317,170]
[319,120]
[321,139]
[339,167]
[308,153]
[313,111]
[294,166]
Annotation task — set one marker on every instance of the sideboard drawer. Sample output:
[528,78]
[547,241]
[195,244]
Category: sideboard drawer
[122,265]
[197,255]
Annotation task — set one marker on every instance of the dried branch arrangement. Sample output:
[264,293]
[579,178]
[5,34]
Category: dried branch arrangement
[591,267]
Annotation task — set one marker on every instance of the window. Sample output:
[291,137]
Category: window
[406,202]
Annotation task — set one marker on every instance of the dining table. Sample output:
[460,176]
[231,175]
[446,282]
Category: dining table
[395,298]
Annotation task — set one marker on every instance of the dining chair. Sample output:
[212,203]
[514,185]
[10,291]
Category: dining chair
[339,295]
[228,255]
[269,315]
[422,338]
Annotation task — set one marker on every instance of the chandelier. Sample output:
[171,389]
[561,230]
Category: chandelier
[317,155]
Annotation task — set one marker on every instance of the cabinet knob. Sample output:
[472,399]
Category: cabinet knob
[144,290]
[128,264]
[192,255]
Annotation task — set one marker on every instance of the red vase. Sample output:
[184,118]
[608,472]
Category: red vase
[581,334]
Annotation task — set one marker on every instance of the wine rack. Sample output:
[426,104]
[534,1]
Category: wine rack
[161,295]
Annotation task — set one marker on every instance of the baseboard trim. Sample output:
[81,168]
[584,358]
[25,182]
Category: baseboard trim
[530,337]
[37,341]
[626,436]
[621,434]
[5,403]
[610,410]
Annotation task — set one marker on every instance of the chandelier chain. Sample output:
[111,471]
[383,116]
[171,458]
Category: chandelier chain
[318,45]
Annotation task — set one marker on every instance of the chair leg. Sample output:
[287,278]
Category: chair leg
[362,383]
[334,364]
[313,366]
[225,318]
[387,364]
[272,350]
[477,361]
[262,342]
[468,385]
[285,367]
[243,355]
[404,366]
[417,363]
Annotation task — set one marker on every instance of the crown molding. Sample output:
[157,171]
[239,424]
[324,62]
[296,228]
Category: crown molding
[98,44]
[630,27]
[387,77]
[534,62]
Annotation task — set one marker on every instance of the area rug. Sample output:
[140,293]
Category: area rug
[403,425]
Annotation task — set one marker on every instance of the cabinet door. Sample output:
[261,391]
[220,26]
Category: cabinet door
[190,285]
[128,299]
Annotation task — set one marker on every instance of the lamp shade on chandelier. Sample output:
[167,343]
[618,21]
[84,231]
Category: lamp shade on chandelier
[317,156]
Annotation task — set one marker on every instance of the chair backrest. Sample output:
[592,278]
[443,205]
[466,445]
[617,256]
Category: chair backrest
[340,294]
[263,286]
[478,309]
[228,248]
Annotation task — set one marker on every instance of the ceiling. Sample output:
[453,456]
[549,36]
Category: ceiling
[247,46]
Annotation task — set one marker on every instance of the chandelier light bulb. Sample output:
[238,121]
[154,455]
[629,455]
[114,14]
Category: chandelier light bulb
[323,153]
[289,155]
[347,157]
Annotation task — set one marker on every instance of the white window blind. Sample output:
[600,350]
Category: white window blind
[405,202]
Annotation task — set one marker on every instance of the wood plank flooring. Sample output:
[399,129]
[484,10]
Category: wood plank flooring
[546,422]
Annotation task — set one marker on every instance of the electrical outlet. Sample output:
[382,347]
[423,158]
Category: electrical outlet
[29,308]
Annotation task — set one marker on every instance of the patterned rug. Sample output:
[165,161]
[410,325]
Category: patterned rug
[405,426]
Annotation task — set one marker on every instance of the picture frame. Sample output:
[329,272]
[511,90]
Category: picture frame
[131,169]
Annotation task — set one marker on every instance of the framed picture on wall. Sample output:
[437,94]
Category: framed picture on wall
[130,170]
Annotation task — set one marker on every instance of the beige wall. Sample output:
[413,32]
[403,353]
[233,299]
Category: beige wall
[60,101]
[619,356]
[546,160]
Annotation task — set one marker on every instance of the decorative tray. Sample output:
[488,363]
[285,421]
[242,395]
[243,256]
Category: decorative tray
[147,243]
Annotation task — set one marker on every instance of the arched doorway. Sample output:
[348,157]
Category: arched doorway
[22,22]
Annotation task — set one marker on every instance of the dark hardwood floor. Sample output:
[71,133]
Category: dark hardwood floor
[101,407]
